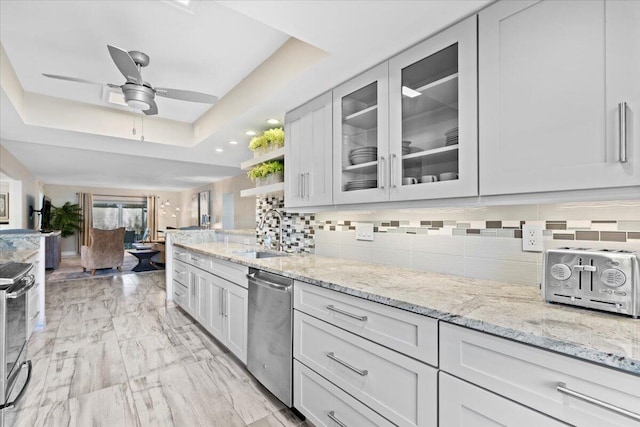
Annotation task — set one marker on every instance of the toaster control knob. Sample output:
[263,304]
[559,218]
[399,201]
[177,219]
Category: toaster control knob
[560,271]
[613,277]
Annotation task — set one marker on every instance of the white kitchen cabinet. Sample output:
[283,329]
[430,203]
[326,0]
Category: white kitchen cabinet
[552,75]
[433,124]
[361,138]
[462,404]
[399,388]
[562,387]
[236,310]
[308,160]
[199,293]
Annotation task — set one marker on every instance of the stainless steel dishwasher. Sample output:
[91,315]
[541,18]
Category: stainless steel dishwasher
[270,337]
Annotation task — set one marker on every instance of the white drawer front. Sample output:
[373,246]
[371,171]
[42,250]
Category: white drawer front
[531,376]
[463,405]
[200,261]
[322,402]
[408,333]
[180,294]
[230,271]
[180,254]
[396,386]
[180,272]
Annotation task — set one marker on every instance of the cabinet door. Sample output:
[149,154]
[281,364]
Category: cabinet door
[294,131]
[462,404]
[544,79]
[433,117]
[308,151]
[215,324]
[193,299]
[361,138]
[198,284]
[236,302]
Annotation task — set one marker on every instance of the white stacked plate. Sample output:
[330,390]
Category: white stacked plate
[405,147]
[363,155]
[361,184]
[451,136]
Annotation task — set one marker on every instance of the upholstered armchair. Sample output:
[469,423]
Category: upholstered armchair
[105,250]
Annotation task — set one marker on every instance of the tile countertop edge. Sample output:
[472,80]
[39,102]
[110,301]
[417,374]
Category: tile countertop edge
[556,345]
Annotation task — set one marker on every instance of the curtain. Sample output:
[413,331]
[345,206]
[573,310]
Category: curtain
[85,201]
[152,217]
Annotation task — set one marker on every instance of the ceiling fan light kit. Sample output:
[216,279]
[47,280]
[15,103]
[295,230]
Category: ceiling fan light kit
[139,94]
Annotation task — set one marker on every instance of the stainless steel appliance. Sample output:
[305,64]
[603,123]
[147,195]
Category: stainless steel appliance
[15,281]
[603,279]
[270,337]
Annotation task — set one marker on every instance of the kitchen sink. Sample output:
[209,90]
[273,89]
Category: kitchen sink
[255,254]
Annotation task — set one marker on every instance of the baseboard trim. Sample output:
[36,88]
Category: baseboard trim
[67,254]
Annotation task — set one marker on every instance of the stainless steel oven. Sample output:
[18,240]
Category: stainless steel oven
[15,281]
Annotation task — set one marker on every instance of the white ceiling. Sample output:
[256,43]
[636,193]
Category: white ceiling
[210,49]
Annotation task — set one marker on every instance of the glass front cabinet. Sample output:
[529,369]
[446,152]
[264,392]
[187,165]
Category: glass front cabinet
[407,129]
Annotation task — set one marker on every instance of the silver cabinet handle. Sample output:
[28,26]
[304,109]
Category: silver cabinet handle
[346,313]
[622,131]
[332,415]
[301,185]
[34,316]
[178,294]
[308,185]
[392,181]
[381,173]
[362,372]
[562,388]
[220,300]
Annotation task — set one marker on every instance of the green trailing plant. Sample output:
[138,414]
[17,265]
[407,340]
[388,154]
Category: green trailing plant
[265,169]
[271,137]
[66,218]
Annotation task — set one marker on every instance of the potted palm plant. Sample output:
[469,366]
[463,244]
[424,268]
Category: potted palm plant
[66,218]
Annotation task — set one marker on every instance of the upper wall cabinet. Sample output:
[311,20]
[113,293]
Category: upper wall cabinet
[559,95]
[433,124]
[407,129]
[361,138]
[308,171]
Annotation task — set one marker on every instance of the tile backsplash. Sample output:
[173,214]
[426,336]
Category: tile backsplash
[481,242]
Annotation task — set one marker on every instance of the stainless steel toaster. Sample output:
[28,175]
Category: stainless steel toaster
[602,279]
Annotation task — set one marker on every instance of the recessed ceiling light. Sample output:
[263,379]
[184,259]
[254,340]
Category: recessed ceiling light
[273,121]
[232,142]
[407,91]
[219,150]
[250,133]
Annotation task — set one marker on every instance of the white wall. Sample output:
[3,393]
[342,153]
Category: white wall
[24,190]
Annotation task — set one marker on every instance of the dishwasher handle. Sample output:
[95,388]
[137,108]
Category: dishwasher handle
[264,283]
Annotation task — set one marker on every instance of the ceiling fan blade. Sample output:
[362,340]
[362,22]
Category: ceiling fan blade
[75,79]
[153,110]
[125,64]
[186,95]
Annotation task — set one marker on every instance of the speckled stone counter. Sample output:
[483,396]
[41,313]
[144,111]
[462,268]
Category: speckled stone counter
[16,256]
[512,311]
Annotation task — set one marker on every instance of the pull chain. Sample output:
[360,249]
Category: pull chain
[142,127]
[134,125]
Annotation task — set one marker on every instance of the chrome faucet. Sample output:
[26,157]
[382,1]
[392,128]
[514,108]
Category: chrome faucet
[279,243]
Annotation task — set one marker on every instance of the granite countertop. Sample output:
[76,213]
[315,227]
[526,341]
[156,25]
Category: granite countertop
[16,255]
[503,309]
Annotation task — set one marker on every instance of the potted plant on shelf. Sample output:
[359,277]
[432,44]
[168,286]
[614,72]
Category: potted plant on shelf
[267,173]
[66,218]
[270,140]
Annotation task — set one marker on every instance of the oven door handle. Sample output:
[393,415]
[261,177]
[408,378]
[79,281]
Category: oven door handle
[23,290]
[24,388]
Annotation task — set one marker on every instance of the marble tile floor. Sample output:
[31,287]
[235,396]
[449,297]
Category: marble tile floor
[113,353]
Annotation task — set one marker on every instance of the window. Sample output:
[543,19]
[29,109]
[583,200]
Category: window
[110,214]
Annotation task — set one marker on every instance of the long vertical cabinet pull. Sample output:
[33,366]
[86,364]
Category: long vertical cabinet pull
[220,301]
[308,185]
[300,185]
[392,181]
[622,131]
[381,173]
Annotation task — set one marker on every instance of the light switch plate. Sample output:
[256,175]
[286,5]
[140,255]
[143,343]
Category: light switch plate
[364,231]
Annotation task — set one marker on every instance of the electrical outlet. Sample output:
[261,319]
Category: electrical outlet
[364,231]
[532,238]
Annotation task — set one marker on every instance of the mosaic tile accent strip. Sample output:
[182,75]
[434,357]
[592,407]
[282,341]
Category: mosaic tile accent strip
[298,229]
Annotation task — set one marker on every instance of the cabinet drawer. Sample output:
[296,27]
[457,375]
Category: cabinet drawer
[180,294]
[180,272]
[199,260]
[531,376]
[408,333]
[463,404]
[317,398]
[180,254]
[396,386]
[230,271]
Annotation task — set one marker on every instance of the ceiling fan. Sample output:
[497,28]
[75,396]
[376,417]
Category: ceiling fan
[139,94]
